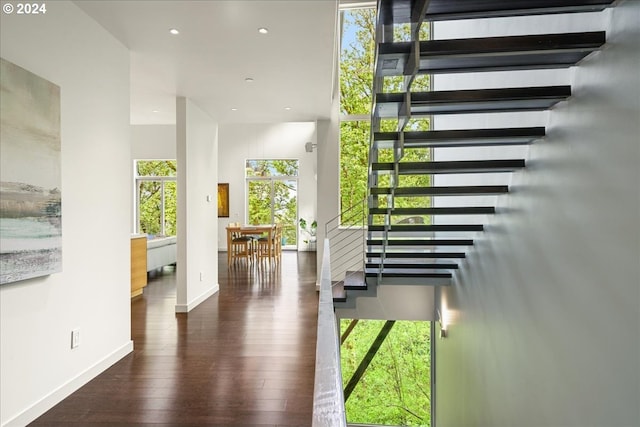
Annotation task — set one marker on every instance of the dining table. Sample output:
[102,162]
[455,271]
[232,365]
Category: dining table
[251,230]
[254,231]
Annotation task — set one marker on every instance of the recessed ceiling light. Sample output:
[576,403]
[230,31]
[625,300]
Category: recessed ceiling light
[263,30]
[155,111]
[234,109]
[248,80]
[287,108]
[174,31]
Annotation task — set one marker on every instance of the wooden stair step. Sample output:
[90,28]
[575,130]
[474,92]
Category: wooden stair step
[459,138]
[394,254]
[355,281]
[420,242]
[461,210]
[390,105]
[427,227]
[456,166]
[479,190]
[413,264]
[338,292]
[538,51]
[404,11]
[408,273]
[451,10]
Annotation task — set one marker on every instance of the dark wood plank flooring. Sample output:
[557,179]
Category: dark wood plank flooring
[244,357]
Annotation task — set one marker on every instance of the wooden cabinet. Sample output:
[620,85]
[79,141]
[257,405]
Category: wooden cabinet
[138,264]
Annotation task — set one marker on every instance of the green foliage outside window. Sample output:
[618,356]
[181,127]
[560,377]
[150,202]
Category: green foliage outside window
[267,168]
[356,82]
[273,197]
[150,192]
[395,387]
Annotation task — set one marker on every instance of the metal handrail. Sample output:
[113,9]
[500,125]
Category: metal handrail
[328,396]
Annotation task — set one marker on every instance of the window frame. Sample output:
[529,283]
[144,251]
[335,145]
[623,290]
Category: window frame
[138,180]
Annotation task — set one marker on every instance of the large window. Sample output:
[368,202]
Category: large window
[272,196]
[356,82]
[394,387]
[156,197]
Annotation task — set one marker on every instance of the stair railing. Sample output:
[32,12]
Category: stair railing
[346,236]
[328,396]
[384,33]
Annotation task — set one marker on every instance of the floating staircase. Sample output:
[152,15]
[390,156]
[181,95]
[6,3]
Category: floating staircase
[414,252]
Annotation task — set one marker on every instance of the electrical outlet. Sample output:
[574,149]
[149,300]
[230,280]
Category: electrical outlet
[75,338]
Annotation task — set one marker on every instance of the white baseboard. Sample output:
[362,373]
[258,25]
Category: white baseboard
[59,394]
[185,308]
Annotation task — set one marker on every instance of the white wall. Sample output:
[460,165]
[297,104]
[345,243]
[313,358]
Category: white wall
[393,302]
[329,164]
[197,147]
[545,311]
[153,142]
[265,141]
[37,366]
[328,175]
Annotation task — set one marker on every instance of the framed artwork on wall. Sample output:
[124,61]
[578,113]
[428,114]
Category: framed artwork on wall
[30,176]
[223,200]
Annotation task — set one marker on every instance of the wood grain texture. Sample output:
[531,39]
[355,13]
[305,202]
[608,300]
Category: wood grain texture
[138,265]
[244,357]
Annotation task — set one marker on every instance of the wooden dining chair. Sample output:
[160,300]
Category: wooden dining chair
[238,246]
[278,242]
[266,248]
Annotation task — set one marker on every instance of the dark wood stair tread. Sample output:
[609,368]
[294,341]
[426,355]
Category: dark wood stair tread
[413,264]
[389,105]
[456,166]
[338,292]
[401,11]
[426,228]
[354,280]
[420,242]
[490,53]
[408,273]
[449,10]
[460,137]
[442,191]
[399,254]
[458,210]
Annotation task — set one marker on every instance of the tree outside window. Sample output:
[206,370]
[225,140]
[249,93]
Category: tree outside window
[156,197]
[356,82]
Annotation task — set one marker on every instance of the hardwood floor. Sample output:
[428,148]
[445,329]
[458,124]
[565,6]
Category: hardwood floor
[244,357]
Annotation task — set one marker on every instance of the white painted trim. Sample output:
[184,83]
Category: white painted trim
[185,308]
[59,394]
[356,4]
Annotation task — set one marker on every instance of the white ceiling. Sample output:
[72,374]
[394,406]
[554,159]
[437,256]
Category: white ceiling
[217,48]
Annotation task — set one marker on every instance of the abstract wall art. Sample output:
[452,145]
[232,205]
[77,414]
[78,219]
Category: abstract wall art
[30,175]
[223,200]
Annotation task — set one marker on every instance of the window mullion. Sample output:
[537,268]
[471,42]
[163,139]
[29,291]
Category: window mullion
[162,208]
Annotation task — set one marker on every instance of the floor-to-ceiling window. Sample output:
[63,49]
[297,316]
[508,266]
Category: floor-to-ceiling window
[386,366]
[356,81]
[272,196]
